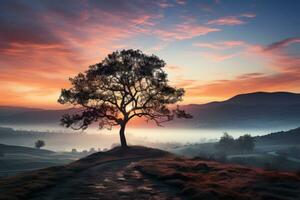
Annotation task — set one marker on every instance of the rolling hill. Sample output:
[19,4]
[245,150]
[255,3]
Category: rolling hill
[145,173]
[290,137]
[253,110]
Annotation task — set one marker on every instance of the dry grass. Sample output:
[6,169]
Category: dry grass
[199,179]
[22,186]
[193,178]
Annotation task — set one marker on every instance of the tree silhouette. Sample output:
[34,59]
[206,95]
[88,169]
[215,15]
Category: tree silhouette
[39,144]
[226,144]
[245,143]
[125,85]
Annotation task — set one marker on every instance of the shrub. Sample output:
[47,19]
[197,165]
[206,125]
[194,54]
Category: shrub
[39,144]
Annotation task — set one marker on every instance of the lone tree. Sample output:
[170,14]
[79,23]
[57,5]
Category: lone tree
[39,144]
[125,85]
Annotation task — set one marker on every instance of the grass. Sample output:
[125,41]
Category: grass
[23,185]
[193,178]
[198,179]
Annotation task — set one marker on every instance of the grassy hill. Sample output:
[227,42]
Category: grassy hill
[143,173]
[18,159]
[8,149]
[290,137]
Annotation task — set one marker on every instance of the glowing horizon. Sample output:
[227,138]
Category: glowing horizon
[214,49]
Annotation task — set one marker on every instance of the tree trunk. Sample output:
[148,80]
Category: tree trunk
[122,136]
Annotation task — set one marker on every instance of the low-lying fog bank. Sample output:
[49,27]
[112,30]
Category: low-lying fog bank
[60,139]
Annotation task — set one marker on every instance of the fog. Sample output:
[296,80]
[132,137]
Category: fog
[269,153]
[61,139]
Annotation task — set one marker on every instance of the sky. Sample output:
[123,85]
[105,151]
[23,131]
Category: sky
[215,49]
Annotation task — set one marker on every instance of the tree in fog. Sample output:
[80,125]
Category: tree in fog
[125,85]
[226,143]
[74,151]
[39,144]
[245,143]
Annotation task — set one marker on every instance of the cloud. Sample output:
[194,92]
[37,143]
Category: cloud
[276,57]
[164,4]
[43,42]
[248,15]
[218,57]
[160,46]
[174,68]
[186,30]
[282,43]
[247,83]
[181,2]
[231,20]
[284,73]
[220,45]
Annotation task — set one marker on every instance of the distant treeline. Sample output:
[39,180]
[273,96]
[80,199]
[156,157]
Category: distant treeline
[243,144]
[6,131]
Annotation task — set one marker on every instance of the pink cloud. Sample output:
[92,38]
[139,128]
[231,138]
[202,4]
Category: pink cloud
[38,59]
[221,45]
[230,20]
[186,30]
[174,68]
[246,83]
[282,43]
[285,74]
[217,57]
[276,57]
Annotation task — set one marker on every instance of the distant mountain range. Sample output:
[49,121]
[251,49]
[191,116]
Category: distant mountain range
[253,110]
[9,110]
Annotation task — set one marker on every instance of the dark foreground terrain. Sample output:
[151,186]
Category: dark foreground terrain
[144,173]
[18,159]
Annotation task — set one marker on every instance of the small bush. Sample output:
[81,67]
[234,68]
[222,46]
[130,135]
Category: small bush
[39,144]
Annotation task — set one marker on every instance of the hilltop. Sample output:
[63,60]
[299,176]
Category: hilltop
[143,173]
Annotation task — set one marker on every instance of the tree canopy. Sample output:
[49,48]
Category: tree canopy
[243,144]
[126,84]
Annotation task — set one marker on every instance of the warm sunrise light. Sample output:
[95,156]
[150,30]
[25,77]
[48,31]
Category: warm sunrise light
[212,51]
[150,99]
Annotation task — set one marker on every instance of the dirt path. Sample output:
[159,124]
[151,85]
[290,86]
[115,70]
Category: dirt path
[112,180]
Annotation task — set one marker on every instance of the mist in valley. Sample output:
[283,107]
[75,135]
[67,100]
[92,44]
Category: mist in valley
[59,138]
[193,143]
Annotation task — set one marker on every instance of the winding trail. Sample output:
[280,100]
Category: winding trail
[111,180]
